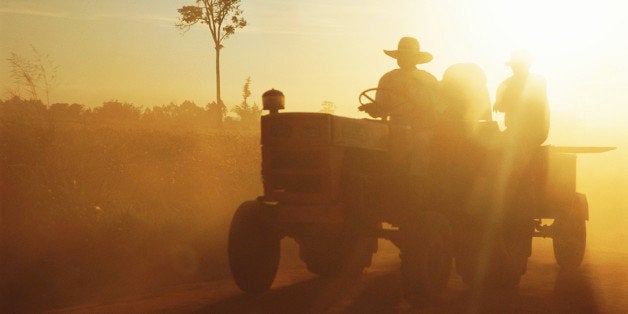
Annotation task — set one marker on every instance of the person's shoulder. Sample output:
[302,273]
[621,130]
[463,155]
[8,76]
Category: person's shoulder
[425,75]
[536,78]
[389,74]
[503,86]
[509,79]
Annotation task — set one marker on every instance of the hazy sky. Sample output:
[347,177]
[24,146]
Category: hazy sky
[314,51]
[318,50]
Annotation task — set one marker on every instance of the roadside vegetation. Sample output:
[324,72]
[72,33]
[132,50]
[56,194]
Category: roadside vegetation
[117,199]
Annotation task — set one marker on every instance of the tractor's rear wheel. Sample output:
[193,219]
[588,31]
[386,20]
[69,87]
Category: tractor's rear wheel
[508,264]
[570,237]
[253,248]
[426,255]
[494,258]
[342,255]
[465,266]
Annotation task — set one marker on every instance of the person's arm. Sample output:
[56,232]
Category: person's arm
[378,108]
[499,98]
[541,107]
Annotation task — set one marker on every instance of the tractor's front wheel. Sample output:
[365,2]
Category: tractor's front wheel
[253,248]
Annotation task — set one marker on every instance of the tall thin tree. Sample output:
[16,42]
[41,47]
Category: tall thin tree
[249,115]
[223,18]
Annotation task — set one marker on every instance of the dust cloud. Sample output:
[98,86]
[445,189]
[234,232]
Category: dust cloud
[93,210]
[603,178]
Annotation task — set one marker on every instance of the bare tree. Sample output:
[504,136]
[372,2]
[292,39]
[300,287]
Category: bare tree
[46,71]
[23,75]
[32,74]
[222,17]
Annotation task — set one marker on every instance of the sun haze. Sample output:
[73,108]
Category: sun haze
[161,196]
[326,51]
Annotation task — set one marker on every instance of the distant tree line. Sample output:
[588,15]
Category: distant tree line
[33,78]
[186,115]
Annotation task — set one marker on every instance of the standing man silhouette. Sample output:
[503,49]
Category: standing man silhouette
[523,99]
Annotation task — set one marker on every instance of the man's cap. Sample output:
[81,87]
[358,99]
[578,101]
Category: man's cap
[520,57]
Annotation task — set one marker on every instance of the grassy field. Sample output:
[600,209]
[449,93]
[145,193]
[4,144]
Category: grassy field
[93,210]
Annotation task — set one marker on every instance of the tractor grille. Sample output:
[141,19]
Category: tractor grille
[291,159]
[301,174]
[297,183]
[302,154]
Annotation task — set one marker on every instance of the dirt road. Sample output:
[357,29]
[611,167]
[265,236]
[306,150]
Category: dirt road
[600,285]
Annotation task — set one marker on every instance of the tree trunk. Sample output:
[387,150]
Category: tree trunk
[218,99]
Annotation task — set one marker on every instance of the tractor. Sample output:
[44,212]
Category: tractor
[327,185]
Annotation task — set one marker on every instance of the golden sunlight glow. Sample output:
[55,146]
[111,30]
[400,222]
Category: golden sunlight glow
[126,186]
[576,46]
[554,30]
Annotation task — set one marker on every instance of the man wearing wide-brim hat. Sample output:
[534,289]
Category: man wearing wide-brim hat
[406,95]
[523,99]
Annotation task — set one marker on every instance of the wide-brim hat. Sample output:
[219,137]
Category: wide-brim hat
[409,47]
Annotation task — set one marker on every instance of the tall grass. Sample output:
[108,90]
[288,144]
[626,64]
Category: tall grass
[98,209]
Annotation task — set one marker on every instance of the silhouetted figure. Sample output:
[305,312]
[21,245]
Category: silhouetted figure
[406,95]
[407,98]
[465,96]
[522,164]
[457,152]
[523,99]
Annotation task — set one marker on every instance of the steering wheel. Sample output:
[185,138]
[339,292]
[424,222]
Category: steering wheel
[367,96]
